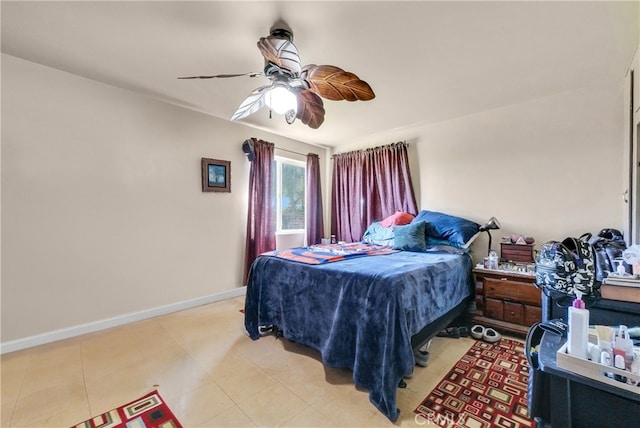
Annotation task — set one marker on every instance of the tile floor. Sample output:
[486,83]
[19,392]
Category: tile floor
[209,372]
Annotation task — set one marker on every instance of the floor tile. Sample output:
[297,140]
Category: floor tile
[273,406]
[207,369]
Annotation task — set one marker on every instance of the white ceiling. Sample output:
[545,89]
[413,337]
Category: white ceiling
[426,61]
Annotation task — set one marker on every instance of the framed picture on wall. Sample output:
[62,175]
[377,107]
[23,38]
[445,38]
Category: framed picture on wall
[216,175]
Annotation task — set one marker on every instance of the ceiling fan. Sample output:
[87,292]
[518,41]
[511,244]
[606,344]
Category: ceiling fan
[295,90]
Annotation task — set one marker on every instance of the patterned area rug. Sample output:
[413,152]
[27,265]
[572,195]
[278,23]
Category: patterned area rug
[149,411]
[486,388]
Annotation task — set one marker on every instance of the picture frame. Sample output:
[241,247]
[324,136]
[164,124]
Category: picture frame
[216,175]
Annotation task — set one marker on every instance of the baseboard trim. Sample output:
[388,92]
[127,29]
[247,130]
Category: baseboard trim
[65,333]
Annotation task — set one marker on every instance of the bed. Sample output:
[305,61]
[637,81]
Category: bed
[366,313]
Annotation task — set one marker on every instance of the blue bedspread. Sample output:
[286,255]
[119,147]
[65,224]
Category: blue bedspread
[359,313]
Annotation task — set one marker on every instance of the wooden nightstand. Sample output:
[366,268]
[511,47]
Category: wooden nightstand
[507,301]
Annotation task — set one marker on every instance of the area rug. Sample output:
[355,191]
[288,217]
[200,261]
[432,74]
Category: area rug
[149,411]
[486,388]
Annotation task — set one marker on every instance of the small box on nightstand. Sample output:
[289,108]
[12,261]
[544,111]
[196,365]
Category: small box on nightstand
[517,253]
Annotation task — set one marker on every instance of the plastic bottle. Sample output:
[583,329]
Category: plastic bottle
[606,356]
[493,260]
[578,328]
[624,347]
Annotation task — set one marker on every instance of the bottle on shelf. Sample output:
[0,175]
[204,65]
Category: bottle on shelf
[493,260]
[578,317]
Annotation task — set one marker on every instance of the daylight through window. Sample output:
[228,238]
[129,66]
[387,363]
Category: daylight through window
[290,195]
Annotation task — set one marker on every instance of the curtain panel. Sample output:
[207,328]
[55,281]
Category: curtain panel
[261,229]
[369,185]
[315,223]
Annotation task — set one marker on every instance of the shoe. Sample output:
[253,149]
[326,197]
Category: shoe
[463,331]
[477,331]
[491,336]
[453,332]
[425,347]
[421,358]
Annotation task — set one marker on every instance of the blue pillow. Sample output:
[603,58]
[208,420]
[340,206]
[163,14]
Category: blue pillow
[379,235]
[410,237]
[458,231]
[435,244]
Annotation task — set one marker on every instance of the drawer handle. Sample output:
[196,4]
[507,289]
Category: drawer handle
[503,279]
[512,313]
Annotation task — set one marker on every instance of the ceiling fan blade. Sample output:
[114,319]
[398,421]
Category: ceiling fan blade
[333,83]
[310,108]
[251,104]
[223,76]
[280,52]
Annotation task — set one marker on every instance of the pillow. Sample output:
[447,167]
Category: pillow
[397,219]
[410,237]
[379,235]
[435,244]
[458,231]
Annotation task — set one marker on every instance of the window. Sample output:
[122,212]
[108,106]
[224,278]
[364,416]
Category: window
[290,195]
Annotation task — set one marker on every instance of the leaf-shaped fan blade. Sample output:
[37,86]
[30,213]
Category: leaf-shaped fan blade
[222,76]
[251,104]
[281,52]
[310,108]
[333,83]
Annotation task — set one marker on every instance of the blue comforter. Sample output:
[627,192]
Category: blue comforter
[359,313]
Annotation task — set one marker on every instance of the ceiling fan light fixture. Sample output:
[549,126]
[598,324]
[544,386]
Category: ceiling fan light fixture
[295,91]
[281,100]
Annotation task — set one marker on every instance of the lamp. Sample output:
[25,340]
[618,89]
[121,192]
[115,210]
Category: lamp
[492,224]
[280,99]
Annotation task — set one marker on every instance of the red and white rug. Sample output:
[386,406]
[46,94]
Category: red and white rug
[486,388]
[149,411]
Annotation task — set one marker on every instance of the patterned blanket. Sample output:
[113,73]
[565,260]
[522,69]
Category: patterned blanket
[326,253]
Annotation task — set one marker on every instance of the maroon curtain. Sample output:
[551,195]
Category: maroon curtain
[369,185]
[346,197]
[315,223]
[261,229]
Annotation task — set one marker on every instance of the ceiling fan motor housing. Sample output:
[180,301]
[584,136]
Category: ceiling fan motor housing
[281,33]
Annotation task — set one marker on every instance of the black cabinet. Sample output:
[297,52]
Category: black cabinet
[576,401]
[602,311]
[571,400]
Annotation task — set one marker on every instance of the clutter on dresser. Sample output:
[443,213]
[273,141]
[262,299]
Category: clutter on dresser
[603,353]
[631,256]
[611,357]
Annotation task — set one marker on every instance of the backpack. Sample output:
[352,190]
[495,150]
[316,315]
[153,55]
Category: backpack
[608,246]
[567,266]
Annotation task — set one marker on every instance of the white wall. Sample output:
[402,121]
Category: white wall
[102,209]
[549,168]
[102,213]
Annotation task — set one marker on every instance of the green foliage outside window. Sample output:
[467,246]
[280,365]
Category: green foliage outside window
[292,198]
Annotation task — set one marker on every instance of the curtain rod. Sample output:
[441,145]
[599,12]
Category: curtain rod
[372,148]
[290,151]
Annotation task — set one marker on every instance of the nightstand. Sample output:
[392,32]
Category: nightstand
[507,301]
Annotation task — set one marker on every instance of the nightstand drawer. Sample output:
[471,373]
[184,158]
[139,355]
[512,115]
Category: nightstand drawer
[532,314]
[512,312]
[493,309]
[510,290]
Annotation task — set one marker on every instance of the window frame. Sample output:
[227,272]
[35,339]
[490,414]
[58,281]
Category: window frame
[279,161]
